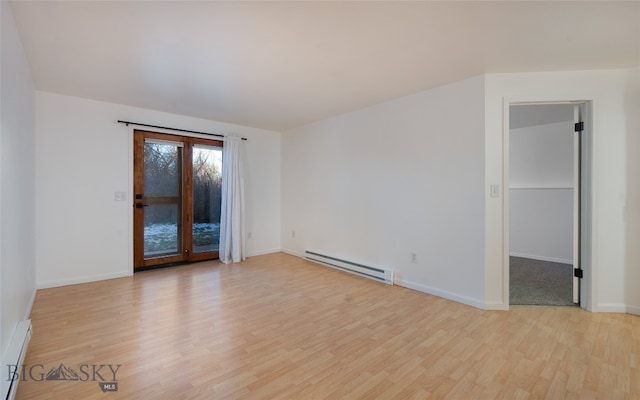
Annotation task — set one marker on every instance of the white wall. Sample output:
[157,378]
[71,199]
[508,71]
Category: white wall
[83,156]
[541,191]
[404,176]
[17,185]
[632,206]
[614,126]
[541,224]
[542,156]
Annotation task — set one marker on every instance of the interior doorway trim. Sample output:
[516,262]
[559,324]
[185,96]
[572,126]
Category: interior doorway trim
[587,284]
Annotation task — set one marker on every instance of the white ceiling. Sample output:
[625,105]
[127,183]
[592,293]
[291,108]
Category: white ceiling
[277,65]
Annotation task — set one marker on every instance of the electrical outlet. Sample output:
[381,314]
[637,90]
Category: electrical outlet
[293,233]
[249,235]
[414,257]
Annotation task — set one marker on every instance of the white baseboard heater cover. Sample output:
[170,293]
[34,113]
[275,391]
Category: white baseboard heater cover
[375,273]
[15,357]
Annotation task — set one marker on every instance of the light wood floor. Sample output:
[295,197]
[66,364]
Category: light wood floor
[277,327]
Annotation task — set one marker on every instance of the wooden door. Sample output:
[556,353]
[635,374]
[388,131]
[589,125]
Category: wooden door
[177,182]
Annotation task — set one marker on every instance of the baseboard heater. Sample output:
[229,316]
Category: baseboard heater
[375,273]
[14,358]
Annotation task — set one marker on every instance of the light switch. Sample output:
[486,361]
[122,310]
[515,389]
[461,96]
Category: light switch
[120,196]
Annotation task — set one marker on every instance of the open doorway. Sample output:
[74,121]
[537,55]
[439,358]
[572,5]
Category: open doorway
[545,203]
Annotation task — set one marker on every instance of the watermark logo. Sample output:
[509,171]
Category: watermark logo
[106,375]
[108,386]
[62,373]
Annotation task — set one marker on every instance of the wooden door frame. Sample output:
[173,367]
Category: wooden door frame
[186,193]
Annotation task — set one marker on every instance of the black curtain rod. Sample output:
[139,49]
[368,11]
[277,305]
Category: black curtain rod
[172,129]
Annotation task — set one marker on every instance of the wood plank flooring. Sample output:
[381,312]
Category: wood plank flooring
[277,327]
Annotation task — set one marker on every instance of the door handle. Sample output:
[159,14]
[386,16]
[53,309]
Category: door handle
[140,205]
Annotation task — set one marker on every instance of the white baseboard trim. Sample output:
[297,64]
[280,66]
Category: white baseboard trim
[84,279]
[496,306]
[262,252]
[292,253]
[612,308]
[541,258]
[635,310]
[441,293]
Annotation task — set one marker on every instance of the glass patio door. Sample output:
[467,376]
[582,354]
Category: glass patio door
[177,196]
[207,198]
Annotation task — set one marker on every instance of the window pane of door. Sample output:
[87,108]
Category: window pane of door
[162,169]
[162,199]
[162,235]
[207,196]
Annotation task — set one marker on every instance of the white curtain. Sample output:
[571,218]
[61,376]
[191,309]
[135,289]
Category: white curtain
[232,242]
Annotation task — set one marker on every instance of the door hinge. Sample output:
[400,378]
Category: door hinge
[578,126]
[577,272]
